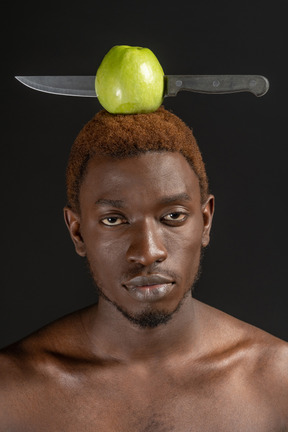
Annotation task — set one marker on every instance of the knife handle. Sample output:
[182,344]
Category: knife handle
[217,84]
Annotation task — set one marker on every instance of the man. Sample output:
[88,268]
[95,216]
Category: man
[148,357]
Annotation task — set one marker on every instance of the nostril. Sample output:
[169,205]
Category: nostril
[162,255]
[144,259]
[146,256]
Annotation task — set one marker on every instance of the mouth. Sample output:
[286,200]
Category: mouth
[149,288]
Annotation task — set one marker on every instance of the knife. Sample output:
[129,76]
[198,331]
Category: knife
[210,84]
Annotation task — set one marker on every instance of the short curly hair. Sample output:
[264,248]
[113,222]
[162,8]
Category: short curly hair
[124,136]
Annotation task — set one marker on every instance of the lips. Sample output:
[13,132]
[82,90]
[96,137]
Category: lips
[150,287]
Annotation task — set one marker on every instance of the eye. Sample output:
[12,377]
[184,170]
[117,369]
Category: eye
[113,220]
[175,217]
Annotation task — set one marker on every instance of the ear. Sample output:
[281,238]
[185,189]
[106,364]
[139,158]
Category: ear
[207,211]
[72,221]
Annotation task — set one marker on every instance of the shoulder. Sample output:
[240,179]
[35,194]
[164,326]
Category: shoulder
[56,335]
[258,359]
[37,362]
[266,371]
[270,356]
[61,339]
[230,328]
[266,352]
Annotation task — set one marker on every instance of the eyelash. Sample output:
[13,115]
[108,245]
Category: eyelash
[167,221]
[182,219]
[113,217]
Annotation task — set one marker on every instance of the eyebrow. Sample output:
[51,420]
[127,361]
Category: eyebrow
[110,202]
[179,197]
[165,200]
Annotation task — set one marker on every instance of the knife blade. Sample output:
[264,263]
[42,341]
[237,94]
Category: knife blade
[61,85]
[211,84]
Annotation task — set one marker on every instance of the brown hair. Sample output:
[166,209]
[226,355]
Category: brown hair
[123,136]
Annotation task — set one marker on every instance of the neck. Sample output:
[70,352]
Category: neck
[114,336]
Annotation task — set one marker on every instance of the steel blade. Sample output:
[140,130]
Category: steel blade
[61,85]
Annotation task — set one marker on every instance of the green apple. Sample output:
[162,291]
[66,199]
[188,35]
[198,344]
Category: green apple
[130,80]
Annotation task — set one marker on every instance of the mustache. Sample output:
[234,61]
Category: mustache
[149,272]
[141,272]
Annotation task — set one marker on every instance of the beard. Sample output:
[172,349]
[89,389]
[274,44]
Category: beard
[148,318]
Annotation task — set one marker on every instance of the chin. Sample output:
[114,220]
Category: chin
[148,318]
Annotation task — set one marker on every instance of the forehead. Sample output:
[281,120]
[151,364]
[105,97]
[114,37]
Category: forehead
[151,175]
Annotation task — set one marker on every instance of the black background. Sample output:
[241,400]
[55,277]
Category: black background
[243,140]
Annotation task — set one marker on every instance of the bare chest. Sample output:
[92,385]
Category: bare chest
[138,403]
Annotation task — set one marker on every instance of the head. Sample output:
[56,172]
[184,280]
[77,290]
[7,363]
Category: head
[126,136]
[139,210]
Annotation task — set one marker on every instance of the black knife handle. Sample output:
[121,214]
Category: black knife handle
[216,84]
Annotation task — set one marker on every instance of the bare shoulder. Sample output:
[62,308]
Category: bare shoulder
[42,360]
[270,356]
[61,340]
[65,335]
[41,367]
[264,348]
[266,367]
[257,358]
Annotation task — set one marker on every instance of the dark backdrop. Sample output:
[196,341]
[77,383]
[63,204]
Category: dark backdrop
[243,139]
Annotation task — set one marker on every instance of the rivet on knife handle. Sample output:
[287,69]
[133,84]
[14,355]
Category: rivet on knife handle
[216,84]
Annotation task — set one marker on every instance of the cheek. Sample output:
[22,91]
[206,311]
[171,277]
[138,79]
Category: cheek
[187,256]
[100,249]
[186,240]
[105,257]
[184,250]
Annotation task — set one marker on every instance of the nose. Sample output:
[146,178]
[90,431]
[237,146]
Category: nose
[146,244]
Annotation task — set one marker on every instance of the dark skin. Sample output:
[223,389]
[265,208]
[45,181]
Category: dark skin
[103,368]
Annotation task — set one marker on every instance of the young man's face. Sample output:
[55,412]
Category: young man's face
[142,228]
